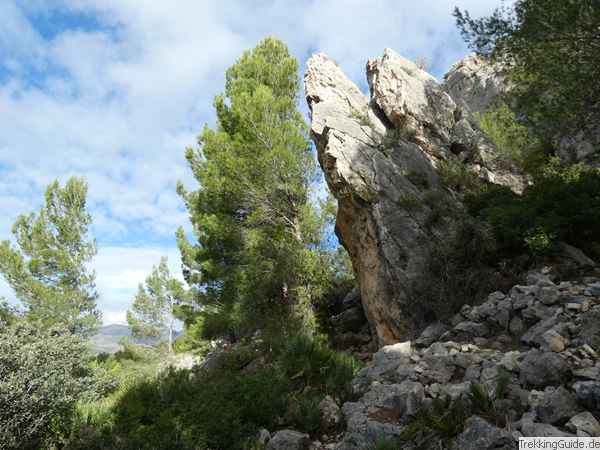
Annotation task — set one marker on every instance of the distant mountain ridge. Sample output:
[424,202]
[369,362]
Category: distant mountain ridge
[108,337]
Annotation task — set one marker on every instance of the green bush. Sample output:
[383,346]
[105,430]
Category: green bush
[386,444]
[220,408]
[175,410]
[304,413]
[456,175]
[445,418]
[460,269]
[437,424]
[514,142]
[562,205]
[312,363]
[42,375]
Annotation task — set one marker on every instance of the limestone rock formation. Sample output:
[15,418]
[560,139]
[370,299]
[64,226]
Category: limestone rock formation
[474,84]
[381,156]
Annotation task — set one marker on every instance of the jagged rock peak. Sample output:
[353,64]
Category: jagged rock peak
[475,84]
[381,154]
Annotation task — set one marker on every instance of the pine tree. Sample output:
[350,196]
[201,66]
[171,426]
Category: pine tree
[153,310]
[48,266]
[251,214]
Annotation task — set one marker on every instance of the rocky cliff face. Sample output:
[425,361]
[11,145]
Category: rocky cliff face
[381,156]
[474,84]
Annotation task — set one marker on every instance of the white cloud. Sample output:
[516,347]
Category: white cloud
[119,271]
[119,102]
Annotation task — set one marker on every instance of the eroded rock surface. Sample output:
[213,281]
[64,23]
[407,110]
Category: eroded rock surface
[381,155]
[474,84]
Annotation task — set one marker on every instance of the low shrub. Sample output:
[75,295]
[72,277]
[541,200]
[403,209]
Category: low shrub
[446,418]
[513,140]
[457,176]
[42,375]
[223,407]
[562,205]
[310,361]
[460,268]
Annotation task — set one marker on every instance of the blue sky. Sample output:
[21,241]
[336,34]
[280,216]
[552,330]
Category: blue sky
[114,90]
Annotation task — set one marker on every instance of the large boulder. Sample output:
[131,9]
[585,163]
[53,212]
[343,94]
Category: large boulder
[289,440]
[540,369]
[481,435]
[380,158]
[557,405]
[584,422]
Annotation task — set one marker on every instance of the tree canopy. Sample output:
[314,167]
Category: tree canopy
[551,49]
[251,213]
[153,311]
[48,266]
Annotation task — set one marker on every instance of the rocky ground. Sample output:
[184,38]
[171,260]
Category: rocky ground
[521,364]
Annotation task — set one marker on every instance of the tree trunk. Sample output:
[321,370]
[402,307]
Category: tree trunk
[171,336]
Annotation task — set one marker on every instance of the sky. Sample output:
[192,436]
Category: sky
[115,90]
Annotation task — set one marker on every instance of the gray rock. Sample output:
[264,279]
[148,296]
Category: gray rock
[496,296]
[472,329]
[590,329]
[455,390]
[539,279]
[588,394]
[534,429]
[521,301]
[436,349]
[483,311]
[387,360]
[538,311]
[516,326]
[585,422]
[510,361]
[527,290]
[534,336]
[352,299]
[289,440]
[331,414]
[557,406]
[576,255]
[475,84]
[438,368]
[431,333]
[553,341]
[541,369]
[352,319]
[500,319]
[263,436]
[378,413]
[595,289]
[549,295]
[481,435]
[591,373]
